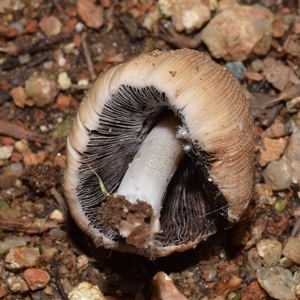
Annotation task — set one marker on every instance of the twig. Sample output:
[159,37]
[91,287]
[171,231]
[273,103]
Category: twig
[15,49]
[87,56]
[38,61]
[60,200]
[60,289]
[18,132]
[26,225]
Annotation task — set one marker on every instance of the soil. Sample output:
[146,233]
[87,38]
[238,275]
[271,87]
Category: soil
[120,214]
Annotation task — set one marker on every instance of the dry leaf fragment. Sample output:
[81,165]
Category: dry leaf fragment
[278,74]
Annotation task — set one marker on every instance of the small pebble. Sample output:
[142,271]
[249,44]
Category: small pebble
[11,242]
[62,130]
[6,151]
[91,14]
[151,19]
[83,82]
[48,65]
[82,262]
[22,257]
[43,128]
[61,61]
[57,216]
[19,96]
[277,282]
[291,249]
[163,287]
[293,105]
[3,291]
[17,26]
[189,15]
[280,205]
[236,68]
[257,65]
[254,259]
[24,58]
[57,234]
[36,278]
[68,48]
[86,290]
[226,37]
[253,291]
[48,252]
[79,27]
[21,146]
[41,88]
[51,26]
[270,251]
[64,81]
[31,26]
[285,263]
[209,273]
[17,284]
[277,175]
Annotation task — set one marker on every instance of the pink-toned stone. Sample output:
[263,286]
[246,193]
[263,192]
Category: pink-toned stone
[291,249]
[31,26]
[163,288]
[278,27]
[31,158]
[19,96]
[63,101]
[51,26]
[277,175]
[253,292]
[8,31]
[276,130]
[228,284]
[280,174]
[3,291]
[239,31]
[17,284]
[36,278]
[22,257]
[255,76]
[41,89]
[91,14]
[271,150]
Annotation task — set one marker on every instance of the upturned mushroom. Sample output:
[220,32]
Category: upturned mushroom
[169,134]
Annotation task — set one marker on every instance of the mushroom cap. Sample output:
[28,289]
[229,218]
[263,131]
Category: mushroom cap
[212,106]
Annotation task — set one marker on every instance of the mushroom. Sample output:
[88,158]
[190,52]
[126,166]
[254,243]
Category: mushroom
[170,137]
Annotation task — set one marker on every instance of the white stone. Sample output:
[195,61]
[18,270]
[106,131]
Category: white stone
[86,290]
[6,151]
[277,282]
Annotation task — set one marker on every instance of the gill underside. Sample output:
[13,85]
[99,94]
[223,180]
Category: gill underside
[191,199]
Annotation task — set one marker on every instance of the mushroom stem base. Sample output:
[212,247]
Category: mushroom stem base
[149,175]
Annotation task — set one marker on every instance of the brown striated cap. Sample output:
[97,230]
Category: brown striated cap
[124,104]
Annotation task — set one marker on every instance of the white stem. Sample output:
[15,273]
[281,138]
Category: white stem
[151,170]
